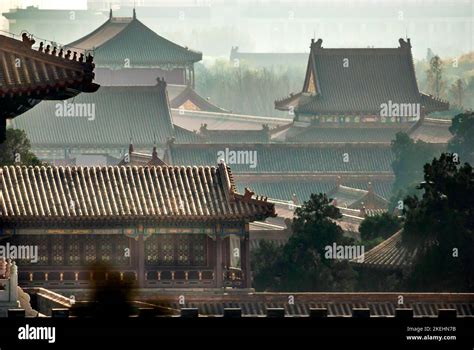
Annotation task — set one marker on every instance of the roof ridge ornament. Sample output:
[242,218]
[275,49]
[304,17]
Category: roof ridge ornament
[316,44]
[404,44]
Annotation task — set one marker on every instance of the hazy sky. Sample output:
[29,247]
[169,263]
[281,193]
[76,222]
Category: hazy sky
[51,4]
[440,25]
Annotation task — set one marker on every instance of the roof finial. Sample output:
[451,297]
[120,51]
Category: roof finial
[110,12]
[154,153]
[134,11]
[130,147]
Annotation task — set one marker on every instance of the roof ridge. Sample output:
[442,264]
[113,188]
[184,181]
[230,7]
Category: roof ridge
[95,31]
[17,47]
[140,24]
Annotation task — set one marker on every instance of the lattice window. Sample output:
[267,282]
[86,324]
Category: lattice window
[166,250]
[152,256]
[57,250]
[182,250]
[105,248]
[73,256]
[199,250]
[43,250]
[90,253]
[121,243]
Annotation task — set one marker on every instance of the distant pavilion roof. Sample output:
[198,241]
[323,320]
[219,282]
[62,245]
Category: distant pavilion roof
[126,38]
[356,198]
[94,196]
[432,131]
[134,158]
[184,97]
[121,112]
[350,81]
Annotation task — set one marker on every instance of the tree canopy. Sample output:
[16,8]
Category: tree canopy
[462,143]
[375,229]
[16,150]
[409,155]
[440,226]
[300,265]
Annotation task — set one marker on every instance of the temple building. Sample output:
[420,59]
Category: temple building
[28,76]
[127,52]
[156,226]
[96,129]
[356,198]
[355,94]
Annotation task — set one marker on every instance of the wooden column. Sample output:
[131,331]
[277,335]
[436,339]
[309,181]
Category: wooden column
[218,260]
[141,261]
[245,258]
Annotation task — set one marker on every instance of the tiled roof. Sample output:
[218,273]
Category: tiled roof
[121,39]
[119,195]
[32,75]
[293,157]
[192,120]
[334,309]
[433,104]
[343,134]
[237,136]
[433,131]
[337,304]
[180,95]
[359,81]
[138,112]
[388,255]
[186,136]
[354,197]
[285,189]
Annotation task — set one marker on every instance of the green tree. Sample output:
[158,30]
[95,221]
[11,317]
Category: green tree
[375,229]
[440,226]
[409,158]
[264,260]
[436,85]
[301,265]
[457,92]
[241,88]
[16,150]
[462,143]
